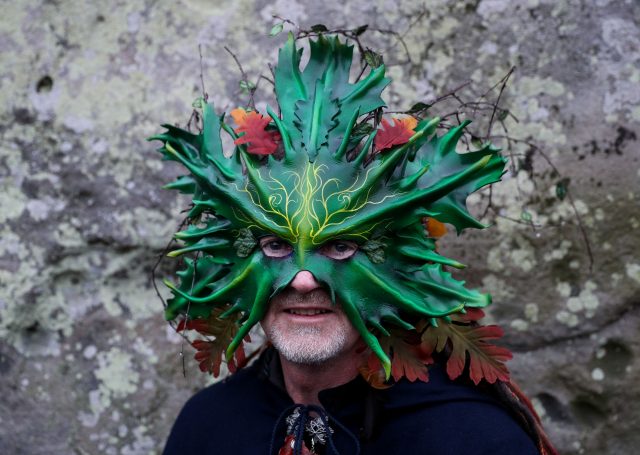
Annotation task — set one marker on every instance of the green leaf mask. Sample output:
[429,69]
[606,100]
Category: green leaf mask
[322,189]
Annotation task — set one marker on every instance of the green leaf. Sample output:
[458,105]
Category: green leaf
[373,59]
[198,103]
[276,29]
[526,216]
[502,114]
[561,188]
[245,243]
[418,107]
[476,142]
[374,251]
[319,28]
[360,30]
[247,86]
[362,129]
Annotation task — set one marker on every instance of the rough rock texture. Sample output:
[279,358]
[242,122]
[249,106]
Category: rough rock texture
[87,364]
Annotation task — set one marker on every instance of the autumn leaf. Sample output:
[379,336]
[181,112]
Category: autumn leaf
[373,373]
[259,140]
[486,361]
[218,333]
[409,361]
[435,228]
[470,315]
[394,134]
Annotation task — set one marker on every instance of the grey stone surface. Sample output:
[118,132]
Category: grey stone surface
[87,364]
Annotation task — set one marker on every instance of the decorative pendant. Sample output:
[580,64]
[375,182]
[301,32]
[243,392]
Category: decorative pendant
[315,434]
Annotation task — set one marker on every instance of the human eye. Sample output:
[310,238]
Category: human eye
[275,247]
[339,249]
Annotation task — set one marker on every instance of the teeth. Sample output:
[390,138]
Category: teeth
[305,312]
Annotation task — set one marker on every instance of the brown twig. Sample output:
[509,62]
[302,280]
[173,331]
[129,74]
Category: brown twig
[245,79]
[581,227]
[503,85]
[205,95]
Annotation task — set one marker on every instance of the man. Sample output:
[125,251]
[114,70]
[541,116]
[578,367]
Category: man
[313,228]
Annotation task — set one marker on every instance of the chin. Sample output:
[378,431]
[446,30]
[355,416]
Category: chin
[307,345]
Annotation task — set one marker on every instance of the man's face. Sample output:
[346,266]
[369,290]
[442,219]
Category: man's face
[301,321]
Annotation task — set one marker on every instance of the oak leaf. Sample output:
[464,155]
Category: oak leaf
[486,361]
[219,333]
[396,133]
[259,139]
[408,360]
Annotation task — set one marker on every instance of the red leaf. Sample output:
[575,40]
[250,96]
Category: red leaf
[407,359]
[471,315]
[219,333]
[260,140]
[394,134]
[410,361]
[486,361]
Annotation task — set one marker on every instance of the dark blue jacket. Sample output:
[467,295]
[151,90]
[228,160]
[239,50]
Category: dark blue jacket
[243,415]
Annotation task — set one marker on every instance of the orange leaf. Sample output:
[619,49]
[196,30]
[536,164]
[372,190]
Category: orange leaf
[259,140]
[394,134]
[435,228]
[486,361]
[407,359]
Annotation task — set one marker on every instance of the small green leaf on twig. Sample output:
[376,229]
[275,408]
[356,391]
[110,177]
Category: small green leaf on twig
[561,188]
[476,142]
[198,103]
[362,129]
[360,30]
[373,59]
[319,28]
[502,114]
[526,216]
[247,86]
[276,29]
[418,107]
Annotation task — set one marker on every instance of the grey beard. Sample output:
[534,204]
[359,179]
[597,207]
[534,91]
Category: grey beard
[308,345]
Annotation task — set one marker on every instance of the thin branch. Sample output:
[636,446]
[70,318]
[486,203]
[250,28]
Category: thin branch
[205,95]
[581,227]
[502,87]
[245,79]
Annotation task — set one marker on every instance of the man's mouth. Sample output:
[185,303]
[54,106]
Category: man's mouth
[306,311]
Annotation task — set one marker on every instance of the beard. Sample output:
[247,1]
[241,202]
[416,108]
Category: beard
[304,343]
[307,345]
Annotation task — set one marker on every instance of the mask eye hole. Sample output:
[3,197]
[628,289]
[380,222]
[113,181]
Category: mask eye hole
[339,249]
[275,247]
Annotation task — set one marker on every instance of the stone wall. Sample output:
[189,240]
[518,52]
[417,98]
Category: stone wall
[87,364]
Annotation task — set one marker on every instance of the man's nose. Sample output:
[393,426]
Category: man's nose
[304,282]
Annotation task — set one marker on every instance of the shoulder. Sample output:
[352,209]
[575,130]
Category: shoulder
[448,417]
[216,418]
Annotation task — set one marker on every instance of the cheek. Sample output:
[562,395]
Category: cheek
[268,319]
[350,332]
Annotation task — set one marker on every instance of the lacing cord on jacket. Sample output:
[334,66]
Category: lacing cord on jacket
[298,425]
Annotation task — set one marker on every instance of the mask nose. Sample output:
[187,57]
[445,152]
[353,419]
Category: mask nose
[304,282]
